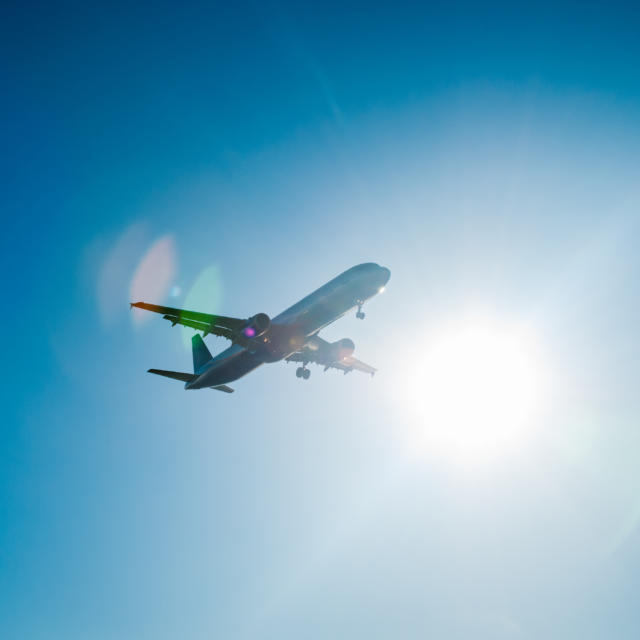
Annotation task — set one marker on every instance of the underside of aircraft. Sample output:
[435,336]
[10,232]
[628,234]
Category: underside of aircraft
[291,336]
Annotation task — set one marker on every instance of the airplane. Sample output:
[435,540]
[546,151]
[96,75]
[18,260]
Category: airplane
[291,336]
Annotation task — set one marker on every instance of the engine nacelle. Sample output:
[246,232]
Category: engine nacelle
[341,349]
[257,326]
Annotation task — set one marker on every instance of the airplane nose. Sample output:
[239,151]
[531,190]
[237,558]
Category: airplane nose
[386,274]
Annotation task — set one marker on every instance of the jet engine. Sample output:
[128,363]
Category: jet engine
[256,326]
[341,349]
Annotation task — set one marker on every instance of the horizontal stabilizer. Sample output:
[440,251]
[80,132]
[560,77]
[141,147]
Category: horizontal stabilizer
[223,387]
[176,375]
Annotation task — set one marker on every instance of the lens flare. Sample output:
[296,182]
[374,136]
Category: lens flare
[204,295]
[151,279]
[115,272]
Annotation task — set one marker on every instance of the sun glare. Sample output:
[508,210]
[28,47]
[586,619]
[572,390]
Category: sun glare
[474,393]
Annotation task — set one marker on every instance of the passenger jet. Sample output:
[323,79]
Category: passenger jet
[291,336]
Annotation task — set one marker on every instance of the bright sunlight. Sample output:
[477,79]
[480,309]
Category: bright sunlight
[475,391]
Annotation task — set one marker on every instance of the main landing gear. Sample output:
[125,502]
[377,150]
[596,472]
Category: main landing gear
[360,312]
[303,372]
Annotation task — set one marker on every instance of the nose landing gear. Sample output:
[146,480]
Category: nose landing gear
[360,312]
[303,372]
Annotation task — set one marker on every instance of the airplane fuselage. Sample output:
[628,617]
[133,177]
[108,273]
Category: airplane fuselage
[290,330]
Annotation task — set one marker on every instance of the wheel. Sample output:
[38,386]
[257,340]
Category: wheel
[360,315]
[306,373]
[299,372]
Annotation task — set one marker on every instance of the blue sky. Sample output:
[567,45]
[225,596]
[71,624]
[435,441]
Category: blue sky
[233,159]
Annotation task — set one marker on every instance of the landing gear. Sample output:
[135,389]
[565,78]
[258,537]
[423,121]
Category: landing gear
[303,372]
[360,312]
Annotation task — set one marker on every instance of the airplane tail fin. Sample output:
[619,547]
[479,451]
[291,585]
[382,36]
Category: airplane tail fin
[201,354]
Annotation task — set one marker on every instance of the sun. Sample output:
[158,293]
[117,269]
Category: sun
[475,391]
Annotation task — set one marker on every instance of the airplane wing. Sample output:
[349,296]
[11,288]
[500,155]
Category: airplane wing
[319,352]
[207,323]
